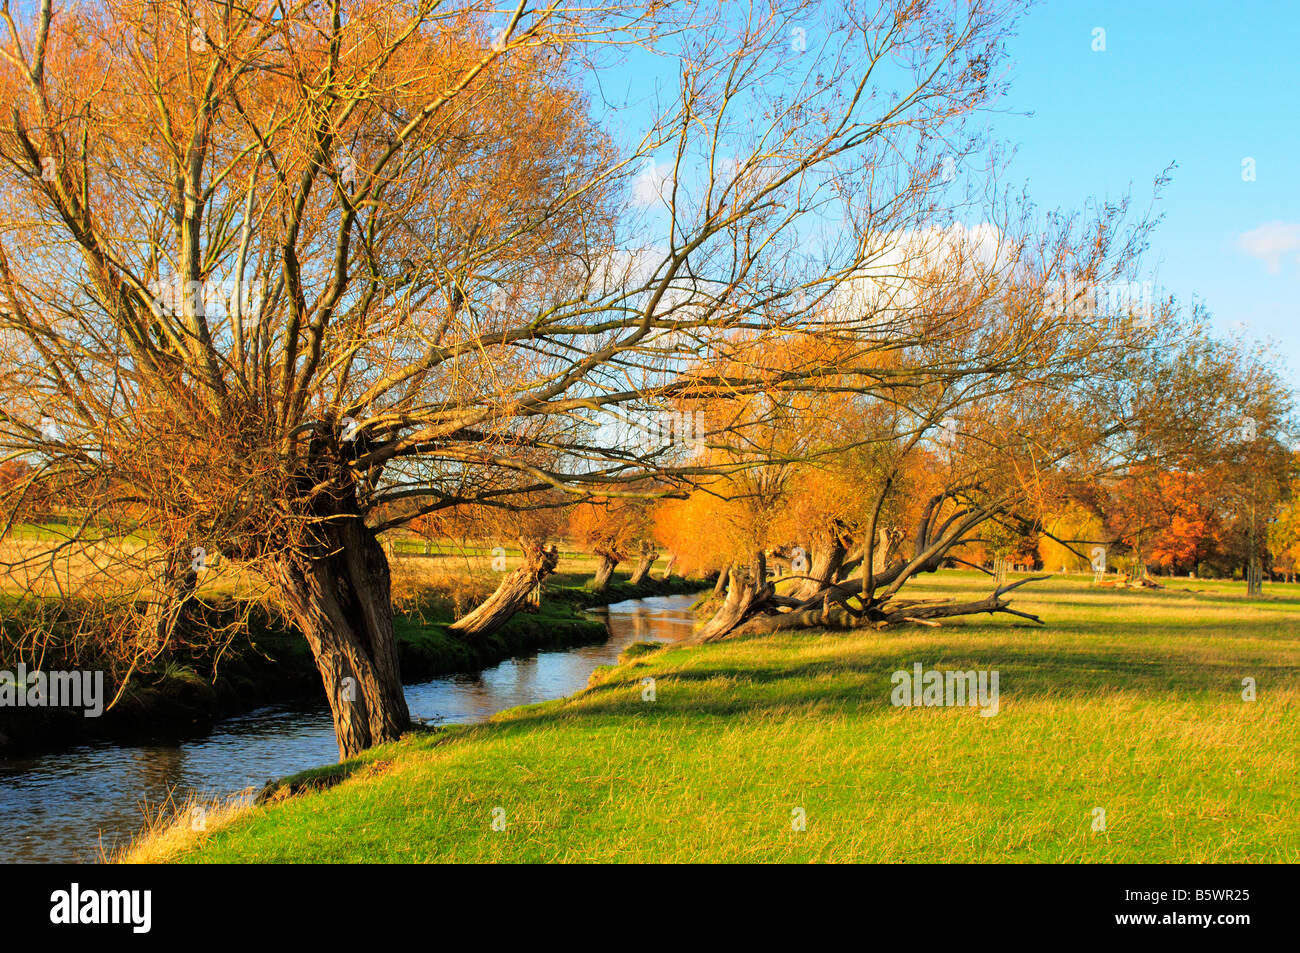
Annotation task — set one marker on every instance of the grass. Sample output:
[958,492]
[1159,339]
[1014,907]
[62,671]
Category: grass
[175,825]
[1127,701]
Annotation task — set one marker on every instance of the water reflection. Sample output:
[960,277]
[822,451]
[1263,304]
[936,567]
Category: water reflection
[57,807]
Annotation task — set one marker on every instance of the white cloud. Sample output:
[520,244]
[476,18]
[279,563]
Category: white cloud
[1270,242]
[891,266]
[651,184]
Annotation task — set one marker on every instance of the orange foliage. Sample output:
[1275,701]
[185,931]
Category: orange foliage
[609,526]
[1171,517]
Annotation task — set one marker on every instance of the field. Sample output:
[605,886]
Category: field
[34,561]
[1127,703]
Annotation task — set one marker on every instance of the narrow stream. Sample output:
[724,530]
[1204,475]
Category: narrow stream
[62,807]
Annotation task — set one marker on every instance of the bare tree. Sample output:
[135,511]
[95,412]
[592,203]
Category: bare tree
[276,279]
[981,450]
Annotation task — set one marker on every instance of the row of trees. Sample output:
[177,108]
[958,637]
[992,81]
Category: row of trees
[812,510]
[1207,522]
[276,279]
[1184,484]
[1171,522]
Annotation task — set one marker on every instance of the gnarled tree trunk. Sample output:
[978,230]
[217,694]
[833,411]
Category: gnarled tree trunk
[746,590]
[720,584]
[339,594]
[870,597]
[827,559]
[516,589]
[604,570]
[644,562]
[668,567]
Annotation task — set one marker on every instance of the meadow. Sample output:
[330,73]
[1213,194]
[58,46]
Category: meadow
[1122,735]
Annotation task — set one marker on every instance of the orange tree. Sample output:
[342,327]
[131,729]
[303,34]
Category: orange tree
[612,530]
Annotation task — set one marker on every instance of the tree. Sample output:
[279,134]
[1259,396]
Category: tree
[212,159]
[679,526]
[612,530]
[1006,394]
[1071,529]
[1167,517]
[284,279]
[1212,461]
[1284,532]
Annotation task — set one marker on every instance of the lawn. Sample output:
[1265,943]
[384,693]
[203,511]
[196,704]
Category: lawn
[1128,702]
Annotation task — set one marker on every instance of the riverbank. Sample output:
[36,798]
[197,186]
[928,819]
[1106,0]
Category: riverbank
[1122,735]
[270,663]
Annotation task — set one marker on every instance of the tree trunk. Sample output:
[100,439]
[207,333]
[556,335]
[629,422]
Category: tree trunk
[516,589]
[827,559]
[603,572]
[860,600]
[888,540]
[339,594]
[741,596]
[825,616]
[720,584]
[176,585]
[746,589]
[668,568]
[919,611]
[643,564]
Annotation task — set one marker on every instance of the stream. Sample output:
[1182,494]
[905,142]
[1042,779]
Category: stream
[68,805]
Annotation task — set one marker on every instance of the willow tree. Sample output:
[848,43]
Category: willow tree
[1025,406]
[276,278]
[612,530]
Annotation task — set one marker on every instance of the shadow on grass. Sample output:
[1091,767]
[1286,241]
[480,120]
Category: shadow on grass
[724,687]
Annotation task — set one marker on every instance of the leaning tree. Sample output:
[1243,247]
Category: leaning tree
[1016,398]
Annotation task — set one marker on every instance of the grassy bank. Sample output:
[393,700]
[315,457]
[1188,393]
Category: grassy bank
[186,692]
[1127,701]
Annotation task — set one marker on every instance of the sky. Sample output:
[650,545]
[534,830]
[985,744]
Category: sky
[1106,94]
[1205,84]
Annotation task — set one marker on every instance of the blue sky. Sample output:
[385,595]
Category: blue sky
[1210,85]
[1203,83]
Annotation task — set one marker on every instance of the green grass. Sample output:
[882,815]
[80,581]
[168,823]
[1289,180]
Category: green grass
[1129,702]
[58,529]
